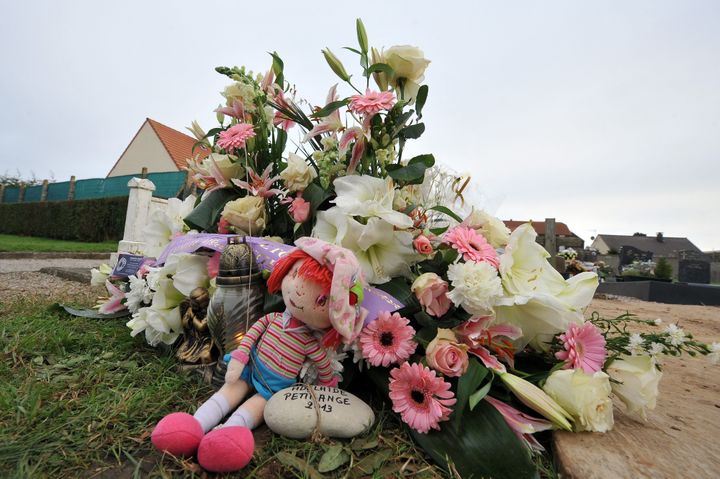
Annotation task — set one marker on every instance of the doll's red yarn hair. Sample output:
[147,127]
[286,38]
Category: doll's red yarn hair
[310,269]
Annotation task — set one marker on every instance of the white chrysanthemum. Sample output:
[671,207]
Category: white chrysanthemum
[656,349]
[476,287]
[677,335]
[139,295]
[635,345]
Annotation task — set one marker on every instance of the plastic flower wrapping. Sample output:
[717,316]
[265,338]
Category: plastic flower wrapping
[492,344]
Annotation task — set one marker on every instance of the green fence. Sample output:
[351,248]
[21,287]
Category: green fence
[167,185]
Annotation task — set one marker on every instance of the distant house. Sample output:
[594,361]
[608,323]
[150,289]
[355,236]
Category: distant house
[564,237]
[659,245]
[158,148]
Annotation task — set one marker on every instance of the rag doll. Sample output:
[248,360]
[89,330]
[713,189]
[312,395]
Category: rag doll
[321,286]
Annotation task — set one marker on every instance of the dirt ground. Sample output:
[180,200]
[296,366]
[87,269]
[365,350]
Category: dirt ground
[682,435]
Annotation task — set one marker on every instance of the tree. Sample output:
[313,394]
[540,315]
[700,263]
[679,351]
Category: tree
[663,269]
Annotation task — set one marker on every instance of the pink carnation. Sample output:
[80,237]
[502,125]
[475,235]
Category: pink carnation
[234,138]
[584,348]
[387,340]
[472,245]
[372,102]
[421,397]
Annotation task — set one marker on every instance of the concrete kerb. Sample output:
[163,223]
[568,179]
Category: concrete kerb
[81,275]
[52,255]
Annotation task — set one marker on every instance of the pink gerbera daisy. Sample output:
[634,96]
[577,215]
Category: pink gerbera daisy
[234,138]
[372,102]
[421,397]
[584,348]
[472,245]
[387,340]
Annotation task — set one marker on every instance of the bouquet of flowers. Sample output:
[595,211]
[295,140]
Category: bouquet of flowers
[491,345]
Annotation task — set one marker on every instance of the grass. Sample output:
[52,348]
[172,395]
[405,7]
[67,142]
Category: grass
[80,398]
[35,244]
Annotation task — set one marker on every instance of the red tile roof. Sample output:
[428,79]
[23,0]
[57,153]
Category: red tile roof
[561,229]
[178,145]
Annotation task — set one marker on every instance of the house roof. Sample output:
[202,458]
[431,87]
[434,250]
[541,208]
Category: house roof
[665,247]
[561,229]
[178,145]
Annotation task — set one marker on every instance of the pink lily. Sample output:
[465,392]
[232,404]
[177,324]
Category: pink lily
[267,81]
[260,185]
[357,134]
[480,335]
[237,110]
[114,303]
[280,120]
[208,179]
[522,425]
[330,123]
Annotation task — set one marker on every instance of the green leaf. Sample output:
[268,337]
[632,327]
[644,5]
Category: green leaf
[316,196]
[478,395]
[447,211]
[354,50]
[439,231]
[380,68]
[330,107]
[364,443]
[413,172]
[277,67]
[420,100]
[482,446]
[206,215]
[371,463]
[400,290]
[468,383]
[94,313]
[333,458]
[295,462]
[412,132]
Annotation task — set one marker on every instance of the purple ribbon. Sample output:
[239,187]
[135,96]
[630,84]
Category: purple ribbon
[267,253]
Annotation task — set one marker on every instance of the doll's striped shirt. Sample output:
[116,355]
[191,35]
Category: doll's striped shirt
[282,343]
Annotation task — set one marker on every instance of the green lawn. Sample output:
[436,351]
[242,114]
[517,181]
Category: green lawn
[80,398]
[35,244]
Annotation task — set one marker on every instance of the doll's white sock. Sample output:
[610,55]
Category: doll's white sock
[241,417]
[211,412]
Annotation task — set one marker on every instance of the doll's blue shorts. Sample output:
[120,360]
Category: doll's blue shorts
[265,381]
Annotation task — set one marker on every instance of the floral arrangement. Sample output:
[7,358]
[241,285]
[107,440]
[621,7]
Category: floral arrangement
[491,336]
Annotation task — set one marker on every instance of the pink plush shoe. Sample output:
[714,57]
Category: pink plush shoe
[178,433]
[227,449]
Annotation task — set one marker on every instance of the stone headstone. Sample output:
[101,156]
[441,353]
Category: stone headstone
[293,412]
[693,271]
[628,254]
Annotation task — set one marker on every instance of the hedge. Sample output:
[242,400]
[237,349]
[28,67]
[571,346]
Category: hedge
[95,220]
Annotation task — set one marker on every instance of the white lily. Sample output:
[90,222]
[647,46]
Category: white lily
[164,225]
[159,325]
[100,274]
[381,251]
[188,271]
[537,298]
[367,196]
[166,295]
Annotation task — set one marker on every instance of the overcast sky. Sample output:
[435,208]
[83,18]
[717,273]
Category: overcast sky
[604,115]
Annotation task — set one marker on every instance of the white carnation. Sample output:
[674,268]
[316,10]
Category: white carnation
[139,295]
[476,287]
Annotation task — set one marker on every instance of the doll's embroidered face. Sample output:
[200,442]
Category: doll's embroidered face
[305,299]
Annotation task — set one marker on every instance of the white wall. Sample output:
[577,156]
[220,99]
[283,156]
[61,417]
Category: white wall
[145,150]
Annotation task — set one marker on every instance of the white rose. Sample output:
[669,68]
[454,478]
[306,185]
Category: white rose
[226,166]
[407,62]
[585,397]
[298,174]
[476,287]
[637,385]
[246,214]
[493,229]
